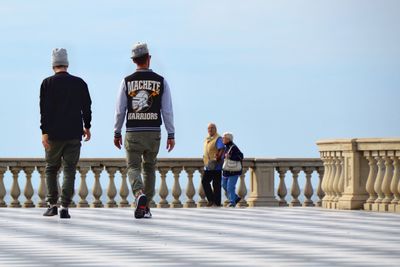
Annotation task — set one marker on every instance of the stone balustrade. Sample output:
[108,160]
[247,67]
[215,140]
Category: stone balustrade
[361,174]
[261,188]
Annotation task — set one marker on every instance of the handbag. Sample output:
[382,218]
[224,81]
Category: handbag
[231,165]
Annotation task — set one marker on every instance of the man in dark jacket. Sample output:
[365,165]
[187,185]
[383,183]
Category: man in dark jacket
[144,99]
[65,109]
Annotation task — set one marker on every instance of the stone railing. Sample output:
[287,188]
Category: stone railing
[361,174]
[262,182]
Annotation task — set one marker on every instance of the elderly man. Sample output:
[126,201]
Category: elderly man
[143,98]
[65,109]
[213,159]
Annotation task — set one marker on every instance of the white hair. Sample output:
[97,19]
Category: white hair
[228,135]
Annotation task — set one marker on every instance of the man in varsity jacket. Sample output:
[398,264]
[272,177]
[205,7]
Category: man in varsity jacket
[144,97]
[65,109]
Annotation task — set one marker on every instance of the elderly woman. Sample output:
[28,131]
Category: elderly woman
[229,176]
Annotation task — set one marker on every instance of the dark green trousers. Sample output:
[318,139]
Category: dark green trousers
[141,156]
[65,152]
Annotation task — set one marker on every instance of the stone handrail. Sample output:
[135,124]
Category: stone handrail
[361,174]
[262,179]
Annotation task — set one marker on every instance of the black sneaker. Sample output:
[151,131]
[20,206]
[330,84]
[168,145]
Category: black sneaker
[147,214]
[140,210]
[238,200]
[51,211]
[64,214]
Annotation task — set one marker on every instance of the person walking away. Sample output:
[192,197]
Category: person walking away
[144,97]
[65,109]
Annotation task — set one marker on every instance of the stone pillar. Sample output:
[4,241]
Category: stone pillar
[111,190]
[190,190]
[163,191]
[97,190]
[83,190]
[395,184]
[176,189]
[282,191]
[3,192]
[320,192]
[42,191]
[262,185]
[28,190]
[308,189]
[202,195]
[124,189]
[15,190]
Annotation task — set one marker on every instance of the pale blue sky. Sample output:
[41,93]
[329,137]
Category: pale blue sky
[280,75]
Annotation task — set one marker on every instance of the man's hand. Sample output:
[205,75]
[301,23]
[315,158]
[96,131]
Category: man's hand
[170,144]
[45,141]
[118,142]
[86,134]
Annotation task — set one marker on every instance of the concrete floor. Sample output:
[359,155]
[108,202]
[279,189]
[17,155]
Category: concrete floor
[200,237]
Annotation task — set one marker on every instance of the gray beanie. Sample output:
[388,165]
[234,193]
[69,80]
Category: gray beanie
[139,49]
[59,57]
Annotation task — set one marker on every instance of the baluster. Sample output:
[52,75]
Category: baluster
[163,191]
[378,182]
[242,190]
[396,171]
[3,191]
[190,190]
[373,170]
[320,192]
[124,190]
[282,191]
[42,191]
[295,190]
[28,190]
[111,190]
[325,180]
[308,189]
[15,191]
[83,189]
[331,183]
[97,191]
[336,189]
[387,179]
[72,204]
[176,189]
[395,181]
[202,202]
[341,179]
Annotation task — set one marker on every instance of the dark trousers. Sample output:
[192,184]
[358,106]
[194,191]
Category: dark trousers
[213,194]
[68,153]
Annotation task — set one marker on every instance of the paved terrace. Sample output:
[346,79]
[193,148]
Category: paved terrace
[200,237]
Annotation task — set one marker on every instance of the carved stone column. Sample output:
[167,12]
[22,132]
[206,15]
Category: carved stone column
[320,192]
[262,185]
[97,191]
[3,191]
[83,189]
[331,182]
[15,191]
[282,191]
[111,190]
[295,190]
[378,183]
[373,170]
[176,189]
[190,190]
[308,189]
[242,190]
[387,179]
[124,189]
[28,190]
[395,184]
[202,202]
[325,180]
[42,191]
[163,191]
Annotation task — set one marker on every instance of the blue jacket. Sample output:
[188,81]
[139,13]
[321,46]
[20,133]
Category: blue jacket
[234,154]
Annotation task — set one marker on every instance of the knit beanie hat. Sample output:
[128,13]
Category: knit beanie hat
[59,57]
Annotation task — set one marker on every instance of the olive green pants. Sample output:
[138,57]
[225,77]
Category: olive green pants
[65,152]
[141,155]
